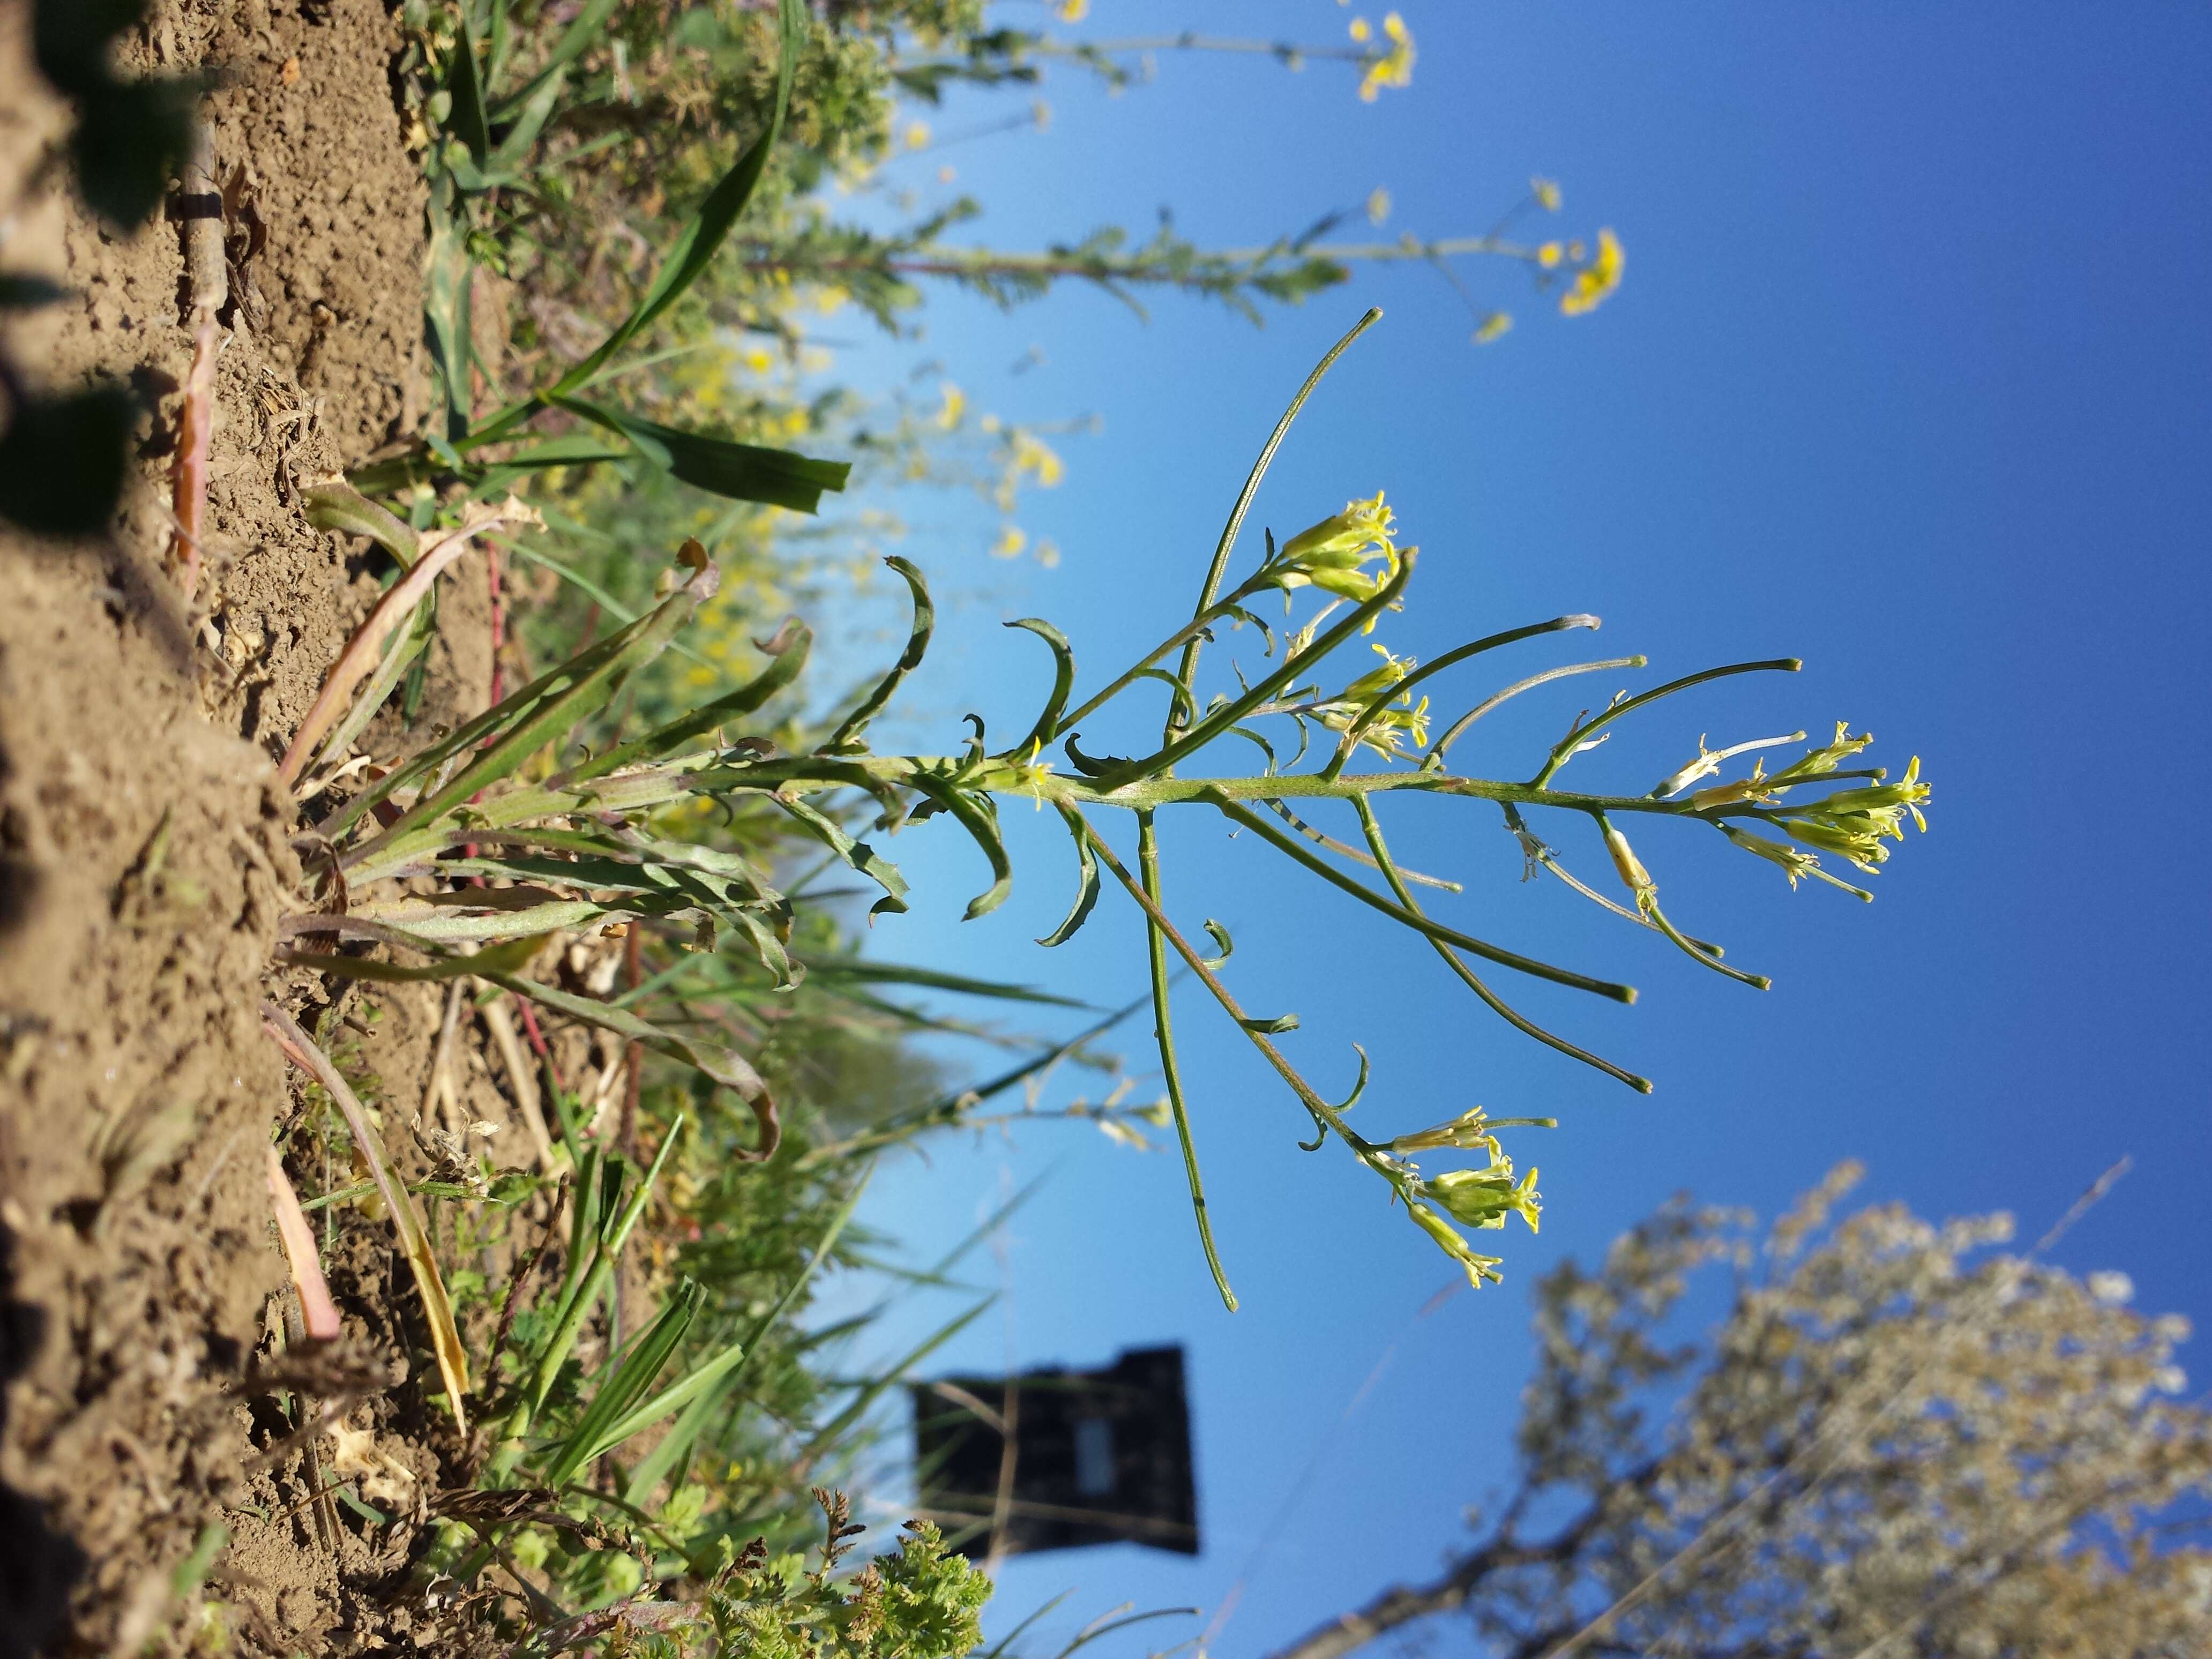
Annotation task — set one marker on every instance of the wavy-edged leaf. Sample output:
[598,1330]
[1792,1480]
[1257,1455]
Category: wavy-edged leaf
[1086,892]
[1091,766]
[1063,682]
[978,816]
[844,738]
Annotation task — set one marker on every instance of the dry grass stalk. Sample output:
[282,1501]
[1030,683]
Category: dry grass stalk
[318,1313]
[207,283]
[360,657]
[522,1078]
[414,1237]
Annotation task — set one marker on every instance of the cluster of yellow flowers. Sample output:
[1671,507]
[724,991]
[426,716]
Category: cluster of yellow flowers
[1391,67]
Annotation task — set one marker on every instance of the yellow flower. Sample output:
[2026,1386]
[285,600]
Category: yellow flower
[1041,112]
[1331,555]
[1595,280]
[1033,455]
[1378,205]
[757,359]
[917,134]
[1548,255]
[1010,544]
[1362,31]
[1394,68]
[1479,1267]
[1494,326]
[1546,192]
[956,405]
[1073,11]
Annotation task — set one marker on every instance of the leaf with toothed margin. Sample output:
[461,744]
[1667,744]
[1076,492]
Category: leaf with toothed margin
[1086,894]
[786,650]
[1219,935]
[978,816]
[857,853]
[845,739]
[1063,682]
[1090,767]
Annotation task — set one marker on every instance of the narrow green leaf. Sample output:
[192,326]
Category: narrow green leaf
[1086,891]
[1063,682]
[722,466]
[591,1437]
[857,853]
[462,81]
[697,243]
[1219,935]
[844,739]
[583,30]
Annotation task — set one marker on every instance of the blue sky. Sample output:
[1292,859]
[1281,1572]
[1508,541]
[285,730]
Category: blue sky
[1908,377]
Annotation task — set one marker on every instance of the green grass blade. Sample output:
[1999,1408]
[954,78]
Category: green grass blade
[583,30]
[835,971]
[697,243]
[611,1406]
[875,1388]
[710,1382]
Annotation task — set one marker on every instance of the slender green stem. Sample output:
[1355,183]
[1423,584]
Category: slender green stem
[1443,743]
[1647,901]
[1346,849]
[1305,1090]
[1568,744]
[1413,919]
[1197,624]
[1219,567]
[1382,699]
[1148,865]
[1228,713]
[1497,1005]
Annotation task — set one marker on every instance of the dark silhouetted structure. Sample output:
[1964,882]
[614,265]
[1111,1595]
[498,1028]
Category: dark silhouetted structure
[1099,1457]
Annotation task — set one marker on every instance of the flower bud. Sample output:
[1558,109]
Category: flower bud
[1479,1267]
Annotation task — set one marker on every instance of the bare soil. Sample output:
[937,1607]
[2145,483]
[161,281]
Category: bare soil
[146,855]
